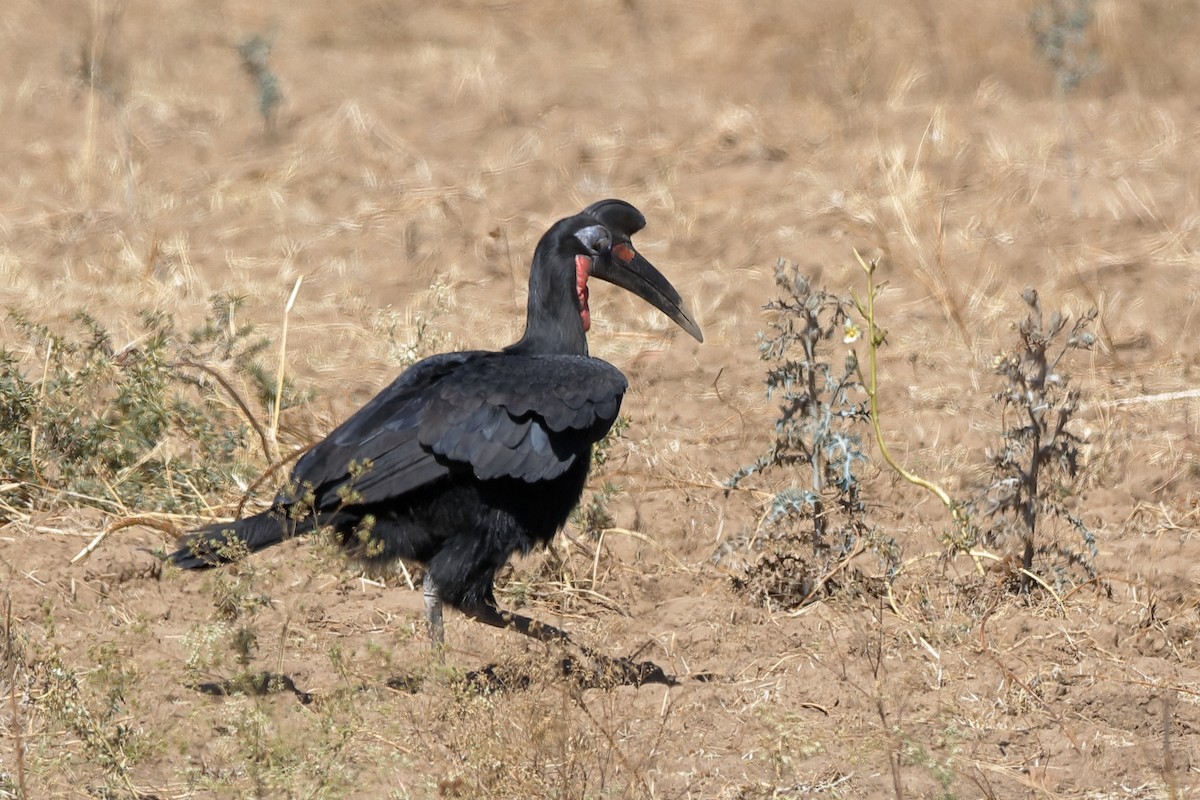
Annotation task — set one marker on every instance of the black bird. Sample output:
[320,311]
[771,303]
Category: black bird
[469,457]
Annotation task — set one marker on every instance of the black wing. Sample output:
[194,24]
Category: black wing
[501,414]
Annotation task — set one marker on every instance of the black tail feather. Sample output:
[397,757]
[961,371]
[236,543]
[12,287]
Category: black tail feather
[223,542]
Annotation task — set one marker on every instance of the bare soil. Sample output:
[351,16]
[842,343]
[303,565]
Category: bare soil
[419,152]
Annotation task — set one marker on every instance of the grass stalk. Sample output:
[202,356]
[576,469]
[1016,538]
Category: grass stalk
[273,430]
[33,428]
[89,141]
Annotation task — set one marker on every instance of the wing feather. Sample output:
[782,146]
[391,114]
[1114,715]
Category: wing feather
[505,415]
[548,410]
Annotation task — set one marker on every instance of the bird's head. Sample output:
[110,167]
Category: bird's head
[604,232]
[593,243]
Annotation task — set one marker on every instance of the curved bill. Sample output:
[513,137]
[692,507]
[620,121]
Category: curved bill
[625,267]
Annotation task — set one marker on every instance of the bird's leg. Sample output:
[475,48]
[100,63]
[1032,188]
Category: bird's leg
[433,613]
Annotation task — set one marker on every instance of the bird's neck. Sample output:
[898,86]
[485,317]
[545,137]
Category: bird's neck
[553,321]
[560,334]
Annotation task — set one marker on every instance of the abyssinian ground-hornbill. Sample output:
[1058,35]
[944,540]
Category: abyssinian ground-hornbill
[469,457]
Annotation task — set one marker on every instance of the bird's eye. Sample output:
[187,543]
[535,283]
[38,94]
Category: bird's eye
[595,238]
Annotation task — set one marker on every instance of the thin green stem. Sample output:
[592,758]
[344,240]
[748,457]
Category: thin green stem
[875,338]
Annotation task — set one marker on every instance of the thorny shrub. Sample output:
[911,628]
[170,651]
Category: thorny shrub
[151,425]
[255,52]
[1036,471]
[1063,33]
[821,518]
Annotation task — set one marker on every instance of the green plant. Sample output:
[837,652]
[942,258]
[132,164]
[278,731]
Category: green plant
[964,536]
[237,348]
[1061,31]
[940,762]
[822,408]
[255,52]
[1036,470]
[423,331]
[148,425]
[237,599]
[95,711]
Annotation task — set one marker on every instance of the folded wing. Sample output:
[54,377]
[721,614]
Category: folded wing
[500,415]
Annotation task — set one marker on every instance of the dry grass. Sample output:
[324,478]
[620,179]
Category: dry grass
[419,153]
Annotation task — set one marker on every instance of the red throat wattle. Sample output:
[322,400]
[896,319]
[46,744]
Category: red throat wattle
[583,267]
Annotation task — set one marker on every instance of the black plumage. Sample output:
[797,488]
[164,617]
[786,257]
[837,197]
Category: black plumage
[469,457]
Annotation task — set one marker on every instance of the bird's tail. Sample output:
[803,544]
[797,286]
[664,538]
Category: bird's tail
[223,542]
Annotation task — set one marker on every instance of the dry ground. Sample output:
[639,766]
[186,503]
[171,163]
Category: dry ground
[425,144]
